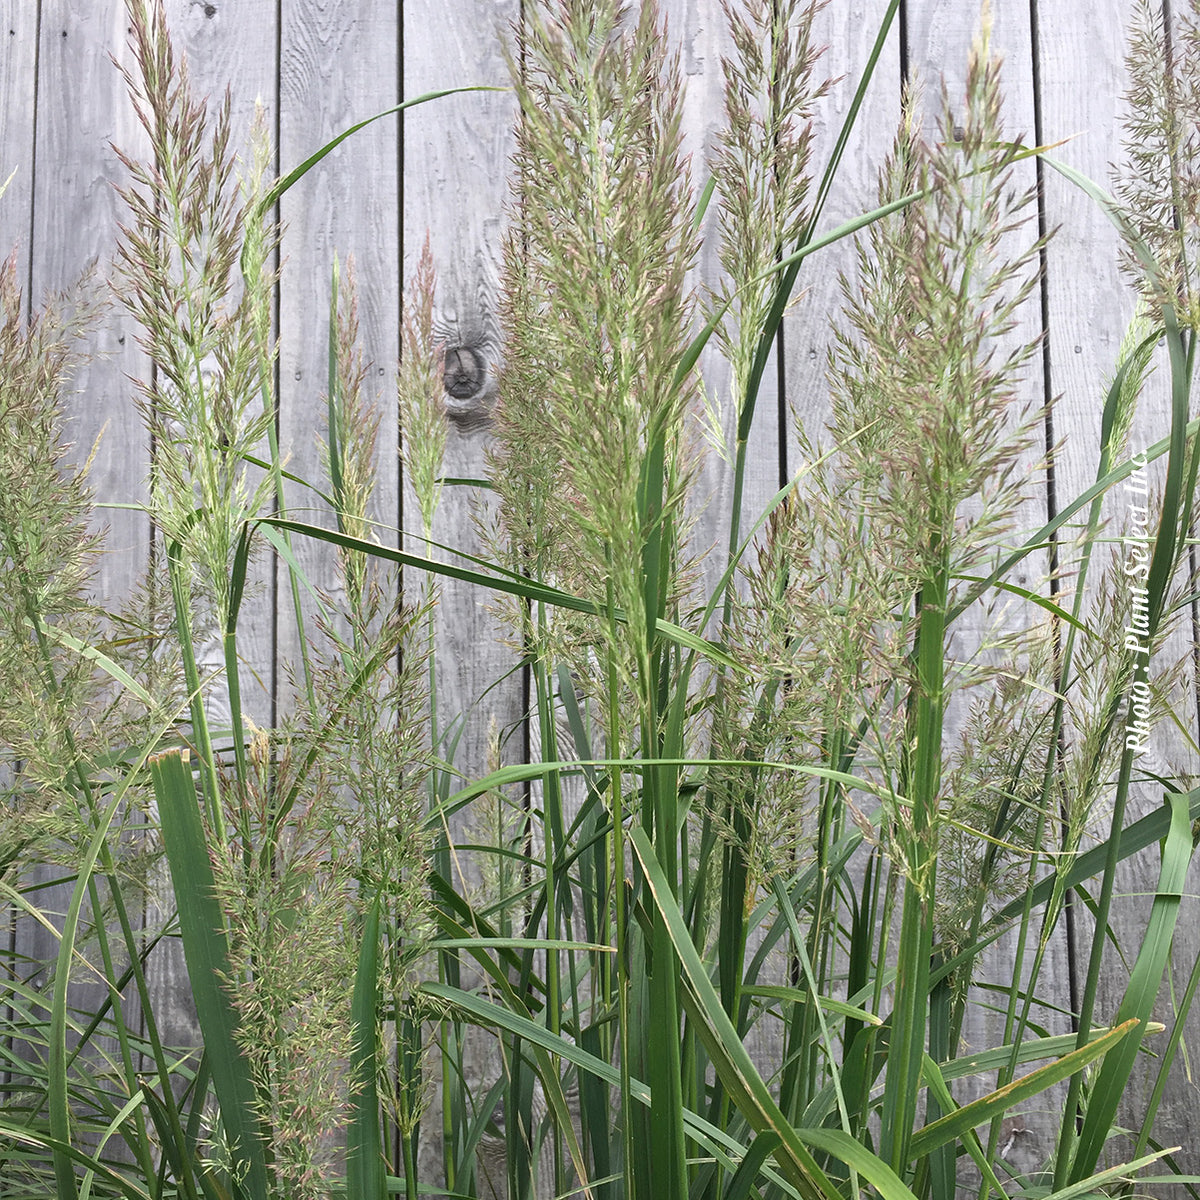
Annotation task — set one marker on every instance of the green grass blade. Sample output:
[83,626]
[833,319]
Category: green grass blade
[121,1183]
[1143,833]
[979,1112]
[1030,1050]
[172,1141]
[207,955]
[297,173]
[743,1178]
[1040,539]
[365,1175]
[730,1057]
[1116,214]
[333,441]
[945,1100]
[264,465]
[1094,1185]
[546,1047]
[114,670]
[858,1158]
[1055,610]
[706,195]
[520,772]
[487,1013]
[282,547]
[233,680]
[500,581]
[1141,992]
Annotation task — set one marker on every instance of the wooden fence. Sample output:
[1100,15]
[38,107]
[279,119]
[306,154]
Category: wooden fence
[439,171]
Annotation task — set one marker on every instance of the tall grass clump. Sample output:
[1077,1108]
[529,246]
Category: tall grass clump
[733,923]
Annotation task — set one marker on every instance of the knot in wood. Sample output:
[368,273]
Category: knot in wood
[463,372]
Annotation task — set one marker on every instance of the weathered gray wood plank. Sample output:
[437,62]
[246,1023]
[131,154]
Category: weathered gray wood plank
[74,210]
[81,109]
[338,66]
[455,153]
[1082,74]
[18,91]
[18,74]
[1084,77]
[848,31]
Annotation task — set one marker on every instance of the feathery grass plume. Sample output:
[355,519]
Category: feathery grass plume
[994,800]
[354,783]
[1160,183]
[370,676]
[932,368]
[260,248]
[1134,357]
[176,275]
[372,681]
[348,449]
[918,487]
[1101,708]
[330,818]
[761,159]
[62,740]
[421,392]
[925,376]
[919,481]
[841,588]
[526,472]
[601,243]
[815,630]
[286,899]
[48,553]
[600,246]
[929,365]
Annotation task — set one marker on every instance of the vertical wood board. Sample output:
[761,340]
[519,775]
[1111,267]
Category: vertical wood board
[337,67]
[455,153]
[18,97]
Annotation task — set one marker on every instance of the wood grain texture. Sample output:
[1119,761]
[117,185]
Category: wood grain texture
[82,111]
[455,156]
[1082,74]
[698,32]
[18,98]
[337,66]
[72,221]
[455,153]
[1084,77]
[848,32]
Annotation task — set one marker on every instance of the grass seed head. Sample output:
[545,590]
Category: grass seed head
[421,392]
[1159,184]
